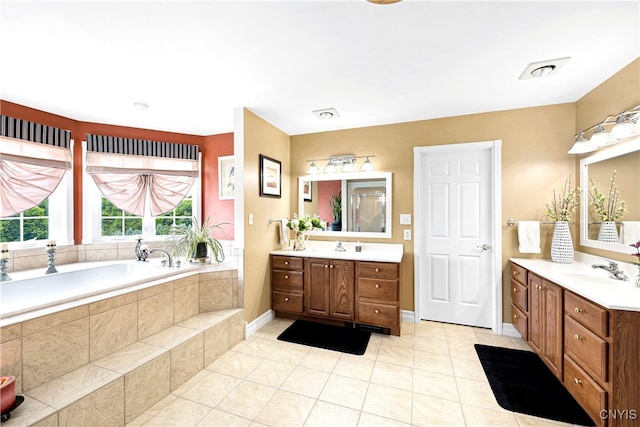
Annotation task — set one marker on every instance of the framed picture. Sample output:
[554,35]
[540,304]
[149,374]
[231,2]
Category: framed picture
[270,177]
[306,191]
[226,177]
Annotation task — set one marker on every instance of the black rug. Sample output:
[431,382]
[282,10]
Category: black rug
[521,382]
[345,340]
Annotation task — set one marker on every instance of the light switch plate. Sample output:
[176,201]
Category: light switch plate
[407,234]
[250,219]
[405,219]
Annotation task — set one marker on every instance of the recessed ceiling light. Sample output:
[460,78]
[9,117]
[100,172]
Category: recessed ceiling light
[140,105]
[326,113]
[543,68]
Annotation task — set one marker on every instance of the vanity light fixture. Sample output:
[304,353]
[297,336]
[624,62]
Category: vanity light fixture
[341,163]
[622,125]
[313,168]
[367,166]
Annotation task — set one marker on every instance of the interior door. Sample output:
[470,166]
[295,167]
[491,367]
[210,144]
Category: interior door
[456,235]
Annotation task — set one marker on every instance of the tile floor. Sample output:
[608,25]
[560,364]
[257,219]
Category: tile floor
[428,376]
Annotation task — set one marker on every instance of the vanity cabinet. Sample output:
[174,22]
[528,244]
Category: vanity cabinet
[287,284]
[545,321]
[329,288]
[378,294]
[520,300]
[599,350]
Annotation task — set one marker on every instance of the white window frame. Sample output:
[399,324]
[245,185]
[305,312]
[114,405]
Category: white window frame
[92,209]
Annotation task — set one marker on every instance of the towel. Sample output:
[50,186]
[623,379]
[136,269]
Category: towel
[284,231]
[630,232]
[529,237]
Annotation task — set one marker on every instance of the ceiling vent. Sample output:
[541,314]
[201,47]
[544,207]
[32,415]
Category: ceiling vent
[326,113]
[543,68]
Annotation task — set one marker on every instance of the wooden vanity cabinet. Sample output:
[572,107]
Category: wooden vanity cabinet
[329,288]
[520,300]
[287,284]
[378,295]
[545,321]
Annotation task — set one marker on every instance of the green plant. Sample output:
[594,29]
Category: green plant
[184,239]
[609,208]
[336,206]
[305,223]
[564,203]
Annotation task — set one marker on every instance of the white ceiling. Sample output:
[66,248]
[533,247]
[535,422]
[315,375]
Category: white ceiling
[195,62]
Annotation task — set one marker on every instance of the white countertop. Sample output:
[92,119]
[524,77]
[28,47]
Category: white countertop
[377,252]
[593,284]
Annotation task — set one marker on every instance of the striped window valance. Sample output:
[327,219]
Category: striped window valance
[34,132]
[140,147]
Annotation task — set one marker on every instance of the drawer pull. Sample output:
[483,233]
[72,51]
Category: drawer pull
[515,316]
[286,263]
[286,299]
[286,277]
[326,266]
[376,311]
[331,266]
[577,381]
[515,289]
[377,270]
[579,310]
[578,337]
[516,272]
[377,286]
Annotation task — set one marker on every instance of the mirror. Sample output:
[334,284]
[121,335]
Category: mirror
[364,200]
[598,170]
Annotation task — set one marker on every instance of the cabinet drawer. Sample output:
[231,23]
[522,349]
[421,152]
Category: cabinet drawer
[287,262]
[382,270]
[587,392]
[518,273]
[378,314]
[520,322]
[282,301]
[519,296]
[590,315]
[287,280]
[586,347]
[382,289]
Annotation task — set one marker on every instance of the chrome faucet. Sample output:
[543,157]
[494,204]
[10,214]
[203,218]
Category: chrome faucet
[613,269]
[169,259]
[340,248]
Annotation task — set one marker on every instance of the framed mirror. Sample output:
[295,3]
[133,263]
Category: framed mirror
[354,204]
[621,161]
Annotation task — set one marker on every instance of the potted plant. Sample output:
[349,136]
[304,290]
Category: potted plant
[609,208]
[560,212]
[336,206]
[196,240]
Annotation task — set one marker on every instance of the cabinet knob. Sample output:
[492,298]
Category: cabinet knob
[515,289]
[577,337]
[377,270]
[376,311]
[326,266]
[515,316]
[286,299]
[286,277]
[377,286]
[577,381]
[579,310]
[286,263]
[516,272]
[331,266]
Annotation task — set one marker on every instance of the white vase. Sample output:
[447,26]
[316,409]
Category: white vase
[561,243]
[300,241]
[608,232]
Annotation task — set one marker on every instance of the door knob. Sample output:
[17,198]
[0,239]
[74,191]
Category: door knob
[484,247]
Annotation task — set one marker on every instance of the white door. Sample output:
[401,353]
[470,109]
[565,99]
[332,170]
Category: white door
[455,239]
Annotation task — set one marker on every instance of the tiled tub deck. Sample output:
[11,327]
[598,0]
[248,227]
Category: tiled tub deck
[107,361]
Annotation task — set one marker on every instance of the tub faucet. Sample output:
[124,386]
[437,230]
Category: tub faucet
[169,259]
[613,270]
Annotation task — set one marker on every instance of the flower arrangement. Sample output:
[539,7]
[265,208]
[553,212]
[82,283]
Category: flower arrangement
[305,223]
[564,203]
[637,264]
[609,208]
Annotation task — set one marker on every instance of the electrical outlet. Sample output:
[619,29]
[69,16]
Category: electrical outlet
[407,234]
[405,219]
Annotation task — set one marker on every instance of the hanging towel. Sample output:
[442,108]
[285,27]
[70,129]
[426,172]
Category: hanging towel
[284,231]
[630,232]
[529,237]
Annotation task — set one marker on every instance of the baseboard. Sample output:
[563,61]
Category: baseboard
[510,331]
[251,327]
[408,316]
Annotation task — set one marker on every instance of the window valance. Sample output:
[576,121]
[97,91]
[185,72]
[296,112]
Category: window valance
[33,161]
[127,170]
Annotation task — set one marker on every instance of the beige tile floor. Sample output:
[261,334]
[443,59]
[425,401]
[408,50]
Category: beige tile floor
[428,376]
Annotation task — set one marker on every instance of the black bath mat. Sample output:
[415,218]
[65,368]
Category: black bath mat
[521,382]
[343,339]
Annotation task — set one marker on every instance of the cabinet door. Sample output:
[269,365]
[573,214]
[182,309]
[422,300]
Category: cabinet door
[552,353]
[536,313]
[342,290]
[316,286]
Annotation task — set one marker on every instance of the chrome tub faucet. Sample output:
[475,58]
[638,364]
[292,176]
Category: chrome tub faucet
[169,259]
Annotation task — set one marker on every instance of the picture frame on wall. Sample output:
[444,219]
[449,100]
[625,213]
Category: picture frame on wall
[270,177]
[226,177]
[307,191]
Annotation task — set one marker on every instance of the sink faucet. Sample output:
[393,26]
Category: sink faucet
[613,269]
[340,248]
[169,259]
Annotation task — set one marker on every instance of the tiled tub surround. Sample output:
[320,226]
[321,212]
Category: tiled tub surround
[106,360]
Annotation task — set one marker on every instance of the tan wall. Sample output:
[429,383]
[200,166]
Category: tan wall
[261,238]
[534,161]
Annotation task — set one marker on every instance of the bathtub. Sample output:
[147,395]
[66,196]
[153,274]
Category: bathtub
[33,290]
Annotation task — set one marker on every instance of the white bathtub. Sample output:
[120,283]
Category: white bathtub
[31,291]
